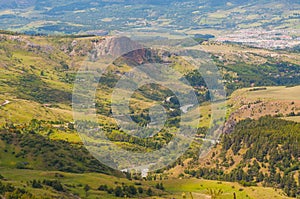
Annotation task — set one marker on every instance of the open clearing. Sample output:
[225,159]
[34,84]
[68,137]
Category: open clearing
[175,187]
[277,101]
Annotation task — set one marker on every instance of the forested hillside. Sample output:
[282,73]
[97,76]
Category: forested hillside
[264,151]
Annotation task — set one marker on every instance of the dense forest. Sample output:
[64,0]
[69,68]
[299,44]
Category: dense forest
[270,153]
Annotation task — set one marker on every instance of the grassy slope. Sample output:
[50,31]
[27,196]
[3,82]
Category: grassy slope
[275,100]
[14,111]
[174,187]
[20,61]
[94,180]
[197,186]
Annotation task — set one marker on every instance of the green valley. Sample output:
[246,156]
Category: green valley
[42,155]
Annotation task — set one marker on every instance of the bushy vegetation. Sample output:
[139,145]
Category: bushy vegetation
[32,150]
[10,192]
[130,191]
[271,155]
[269,74]
[32,87]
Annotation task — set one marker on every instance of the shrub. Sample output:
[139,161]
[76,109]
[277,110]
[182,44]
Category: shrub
[103,187]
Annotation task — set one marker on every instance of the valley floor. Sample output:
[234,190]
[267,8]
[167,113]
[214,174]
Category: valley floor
[174,188]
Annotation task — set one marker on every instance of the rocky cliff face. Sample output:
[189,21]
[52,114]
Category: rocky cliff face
[124,49]
[229,125]
[115,46]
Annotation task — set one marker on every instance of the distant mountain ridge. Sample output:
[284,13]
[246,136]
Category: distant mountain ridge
[59,3]
[72,17]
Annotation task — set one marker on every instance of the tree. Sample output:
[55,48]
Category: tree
[36,184]
[132,190]
[56,185]
[214,193]
[140,190]
[86,189]
[149,192]
[160,186]
[103,188]
[119,192]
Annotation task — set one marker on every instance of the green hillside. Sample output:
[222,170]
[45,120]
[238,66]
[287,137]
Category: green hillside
[258,152]
[41,154]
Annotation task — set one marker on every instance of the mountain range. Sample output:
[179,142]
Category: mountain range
[73,17]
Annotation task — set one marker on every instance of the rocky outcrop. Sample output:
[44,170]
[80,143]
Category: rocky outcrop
[123,49]
[116,46]
[229,125]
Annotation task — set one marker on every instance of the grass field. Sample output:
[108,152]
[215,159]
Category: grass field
[271,93]
[174,188]
[279,100]
[74,182]
[199,189]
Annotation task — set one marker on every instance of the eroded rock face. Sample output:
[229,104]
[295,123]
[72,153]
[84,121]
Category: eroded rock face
[116,46]
[123,49]
[229,125]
